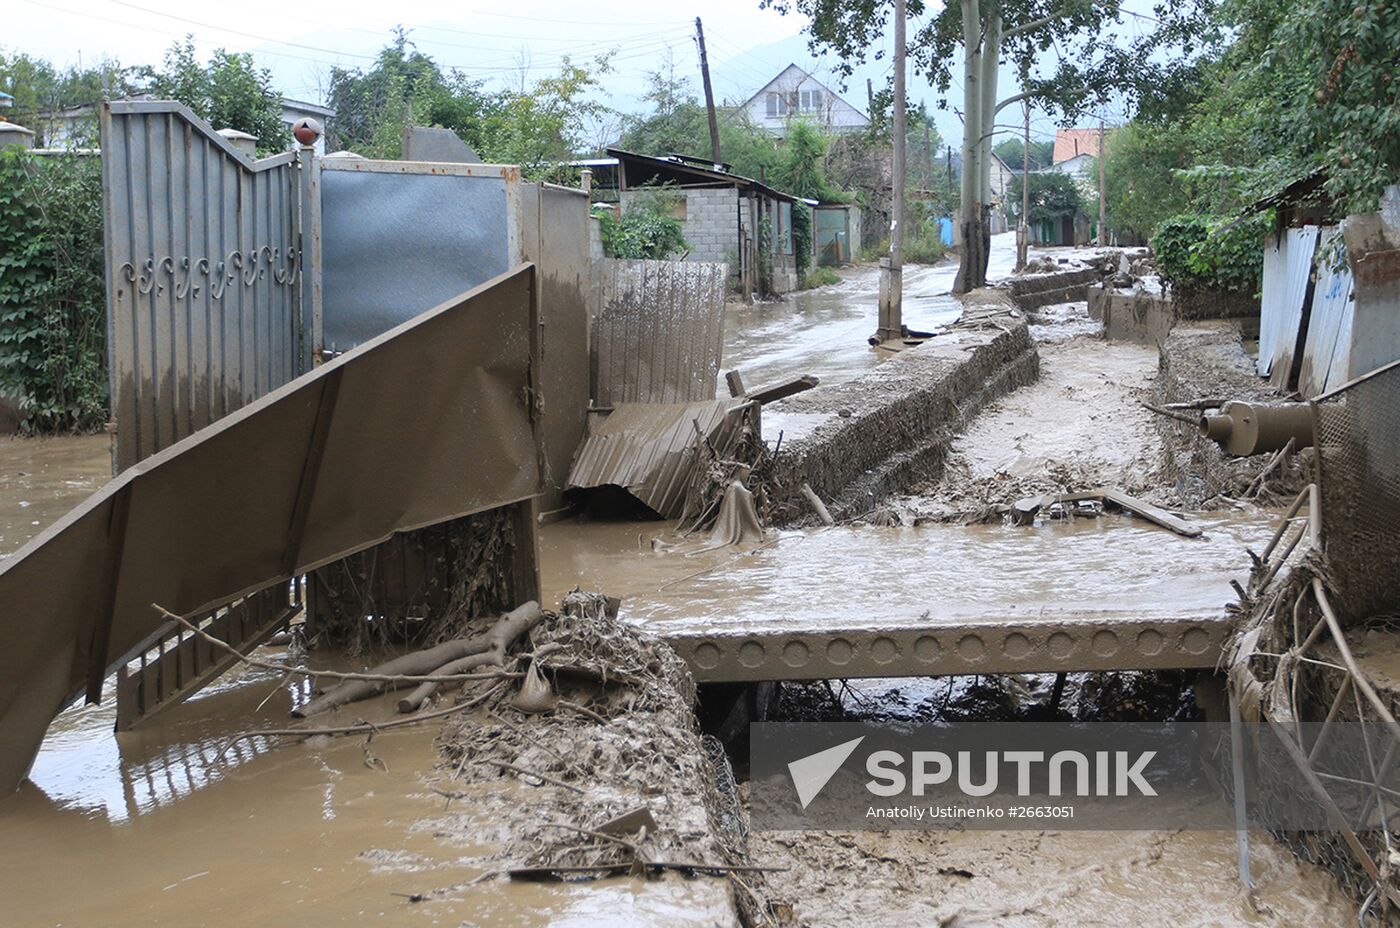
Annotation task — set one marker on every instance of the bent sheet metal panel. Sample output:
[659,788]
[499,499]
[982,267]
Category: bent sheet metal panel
[651,449]
[1282,302]
[430,421]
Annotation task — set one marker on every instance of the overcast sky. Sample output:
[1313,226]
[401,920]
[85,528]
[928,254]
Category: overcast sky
[300,41]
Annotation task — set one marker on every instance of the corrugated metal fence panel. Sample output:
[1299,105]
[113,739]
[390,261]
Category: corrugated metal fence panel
[1325,352]
[658,331]
[1281,309]
[399,237]
[203,274]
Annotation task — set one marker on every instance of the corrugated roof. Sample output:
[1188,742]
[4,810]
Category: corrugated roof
[1070,143]
[683,165]
[649,449]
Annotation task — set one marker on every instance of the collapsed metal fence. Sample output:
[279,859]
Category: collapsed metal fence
[658,331]
[1325,588]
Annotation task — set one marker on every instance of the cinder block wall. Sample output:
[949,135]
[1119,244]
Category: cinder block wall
[711,222]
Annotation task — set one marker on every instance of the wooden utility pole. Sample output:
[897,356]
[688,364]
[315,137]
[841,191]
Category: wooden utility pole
[1023,243]
[892,267]
[1103,201]
[869,97]
[709,92]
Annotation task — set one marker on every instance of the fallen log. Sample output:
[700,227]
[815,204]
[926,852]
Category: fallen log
[1023,511]
[491,645]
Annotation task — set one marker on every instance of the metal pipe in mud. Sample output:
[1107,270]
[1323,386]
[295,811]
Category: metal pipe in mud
[1252,428]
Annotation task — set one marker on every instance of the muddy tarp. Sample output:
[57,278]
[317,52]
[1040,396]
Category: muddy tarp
[431,421]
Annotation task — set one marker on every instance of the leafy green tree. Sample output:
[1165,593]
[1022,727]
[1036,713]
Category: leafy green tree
[228,91]
[646,228]
[39,88]
[1053,195]
[987,34]
[800,172]
[676,124]
[1012,151]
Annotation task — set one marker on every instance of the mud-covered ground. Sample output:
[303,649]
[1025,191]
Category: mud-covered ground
[1081,426]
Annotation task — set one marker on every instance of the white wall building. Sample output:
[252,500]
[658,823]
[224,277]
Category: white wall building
[796,94]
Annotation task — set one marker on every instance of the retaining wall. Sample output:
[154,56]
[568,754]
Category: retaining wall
[882,433]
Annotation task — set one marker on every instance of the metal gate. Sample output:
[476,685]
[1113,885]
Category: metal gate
[204,274]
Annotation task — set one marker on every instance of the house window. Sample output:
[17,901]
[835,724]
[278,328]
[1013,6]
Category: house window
[772,104]
[811,101]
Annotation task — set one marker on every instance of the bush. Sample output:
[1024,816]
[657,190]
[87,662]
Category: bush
[925,246]
[802,237]
[819,277]
[52,298]
[647,229]
[1212,252]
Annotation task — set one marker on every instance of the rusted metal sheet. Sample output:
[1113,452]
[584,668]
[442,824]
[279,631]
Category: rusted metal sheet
[1326,352]
[650,449]
[1288,265]
[204,274]
[658,331]
[431,421]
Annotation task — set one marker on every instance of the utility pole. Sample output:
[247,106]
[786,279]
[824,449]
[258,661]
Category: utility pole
[1103,201]
[1023,243]
[869,97]
[709,92]
[892,267]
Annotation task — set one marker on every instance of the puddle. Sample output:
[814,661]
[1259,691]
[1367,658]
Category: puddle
[868,575]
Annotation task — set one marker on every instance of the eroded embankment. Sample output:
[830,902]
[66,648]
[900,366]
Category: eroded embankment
[1204,361]
[858,442]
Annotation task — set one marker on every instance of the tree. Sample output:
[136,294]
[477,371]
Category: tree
[677,122]
[988,33]
[39,88]
[1012,151]
[1053,195]
[228,91]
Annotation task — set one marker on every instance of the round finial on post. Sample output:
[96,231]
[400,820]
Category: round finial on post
[307,130]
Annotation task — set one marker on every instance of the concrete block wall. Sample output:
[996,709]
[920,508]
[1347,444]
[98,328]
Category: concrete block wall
[711,223]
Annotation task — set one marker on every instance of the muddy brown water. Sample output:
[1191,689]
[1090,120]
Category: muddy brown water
[865,574]
[153,827]
[824,331]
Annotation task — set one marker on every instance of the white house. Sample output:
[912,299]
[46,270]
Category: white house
[796,94]
[76,126]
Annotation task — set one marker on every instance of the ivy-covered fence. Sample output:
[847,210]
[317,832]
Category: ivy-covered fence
[52,303]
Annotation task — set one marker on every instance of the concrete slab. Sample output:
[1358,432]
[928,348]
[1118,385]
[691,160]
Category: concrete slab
[1107,593]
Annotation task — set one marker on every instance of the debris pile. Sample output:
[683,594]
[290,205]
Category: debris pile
[626,782]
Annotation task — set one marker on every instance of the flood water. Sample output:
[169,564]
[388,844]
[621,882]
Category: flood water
[42,478]
[1116,565]
[824,331]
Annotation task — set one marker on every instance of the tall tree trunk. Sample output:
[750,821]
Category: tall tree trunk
[971,267]
[990,63]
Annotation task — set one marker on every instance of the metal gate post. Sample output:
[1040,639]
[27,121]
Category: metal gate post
[309,212]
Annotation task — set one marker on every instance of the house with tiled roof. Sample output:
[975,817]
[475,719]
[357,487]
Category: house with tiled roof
[1075,150]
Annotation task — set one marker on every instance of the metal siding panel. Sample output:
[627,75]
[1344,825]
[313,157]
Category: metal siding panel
[396,244]
[1271,301]
[658,331]
[1329,318]
[1288,296]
